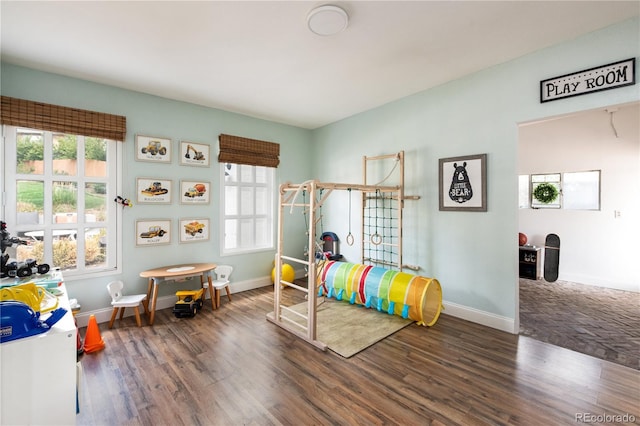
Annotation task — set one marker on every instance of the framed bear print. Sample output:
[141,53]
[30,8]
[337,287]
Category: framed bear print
[463,183]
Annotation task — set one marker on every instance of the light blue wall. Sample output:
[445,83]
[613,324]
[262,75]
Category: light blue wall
[473,255]
[154,116]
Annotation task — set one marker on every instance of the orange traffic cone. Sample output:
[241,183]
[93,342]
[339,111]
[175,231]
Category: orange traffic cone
[92,340]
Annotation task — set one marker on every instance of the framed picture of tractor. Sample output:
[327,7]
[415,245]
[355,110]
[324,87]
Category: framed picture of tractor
[153,149]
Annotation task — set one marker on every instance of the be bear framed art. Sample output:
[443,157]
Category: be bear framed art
[463,183]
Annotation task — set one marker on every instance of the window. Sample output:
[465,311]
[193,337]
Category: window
[59,190]
[568,190]
[247,208]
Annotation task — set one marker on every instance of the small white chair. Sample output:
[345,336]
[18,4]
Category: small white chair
[119,302]
[223,273]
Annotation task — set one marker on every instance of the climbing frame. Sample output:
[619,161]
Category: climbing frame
[315,194]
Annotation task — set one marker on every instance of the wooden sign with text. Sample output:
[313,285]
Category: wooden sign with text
[605,77]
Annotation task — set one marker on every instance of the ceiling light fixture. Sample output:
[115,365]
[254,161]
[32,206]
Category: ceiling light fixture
[327,20]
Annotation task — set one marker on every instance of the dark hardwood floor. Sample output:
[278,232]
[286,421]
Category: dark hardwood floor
[233,367]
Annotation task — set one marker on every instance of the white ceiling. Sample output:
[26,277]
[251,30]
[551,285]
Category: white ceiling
[258,58]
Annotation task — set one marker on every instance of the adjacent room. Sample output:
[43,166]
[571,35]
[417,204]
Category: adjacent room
[280,213]
[591,306]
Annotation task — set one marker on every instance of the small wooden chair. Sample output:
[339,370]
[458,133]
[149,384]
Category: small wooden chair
[119,302]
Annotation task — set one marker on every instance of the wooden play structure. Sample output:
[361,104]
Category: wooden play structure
[381,247]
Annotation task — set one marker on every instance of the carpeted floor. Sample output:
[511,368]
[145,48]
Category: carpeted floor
[601,322]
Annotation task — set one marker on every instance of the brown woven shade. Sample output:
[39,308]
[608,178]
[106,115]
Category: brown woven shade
[54,118]
[237,150]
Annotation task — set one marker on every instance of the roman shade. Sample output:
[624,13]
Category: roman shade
[55,118]
[239,150]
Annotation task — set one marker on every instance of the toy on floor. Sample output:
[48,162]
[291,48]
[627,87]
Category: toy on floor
[406,295]
[189,303]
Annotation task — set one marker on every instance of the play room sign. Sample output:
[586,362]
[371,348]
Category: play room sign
[605,77]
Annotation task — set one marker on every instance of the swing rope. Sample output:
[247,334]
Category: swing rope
[349,235]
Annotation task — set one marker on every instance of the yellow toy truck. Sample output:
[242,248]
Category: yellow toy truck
[189,303]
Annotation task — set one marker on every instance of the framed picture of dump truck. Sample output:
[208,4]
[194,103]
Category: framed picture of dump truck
[153,191]
[153,149]
[193,230]
[194,192]
[153,232]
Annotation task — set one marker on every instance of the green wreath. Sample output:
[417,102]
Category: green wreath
[545,193]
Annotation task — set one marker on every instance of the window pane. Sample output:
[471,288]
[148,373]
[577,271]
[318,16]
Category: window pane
[261,174]
[553,177]
[246,233]
[523,191]
[34,249]
[30,152]
[65,155]
[262,200]
[262,233]
[230,172]
[581,190]
[545,191]
[231,200]
[95,202]
[95,157]
[230,233]
[246,201]
[30,201]
[246,173]
[95,247]
[65,202]
[64,250]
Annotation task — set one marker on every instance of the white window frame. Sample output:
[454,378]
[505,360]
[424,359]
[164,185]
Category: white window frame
[269,216]
[590,193]
[113,183]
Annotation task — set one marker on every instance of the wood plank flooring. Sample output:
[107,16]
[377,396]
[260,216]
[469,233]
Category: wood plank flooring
[233,367]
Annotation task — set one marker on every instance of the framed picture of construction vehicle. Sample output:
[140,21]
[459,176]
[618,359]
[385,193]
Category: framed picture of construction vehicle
[194,192]
[193,230]
[153,232]
[194,154]
[153,149]
[153,191]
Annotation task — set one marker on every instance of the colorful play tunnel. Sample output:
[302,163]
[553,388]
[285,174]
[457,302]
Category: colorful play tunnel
[406,295]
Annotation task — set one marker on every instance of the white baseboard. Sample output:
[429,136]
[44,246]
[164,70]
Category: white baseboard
[459,311]
[480,317]
[164,302]
[601,282]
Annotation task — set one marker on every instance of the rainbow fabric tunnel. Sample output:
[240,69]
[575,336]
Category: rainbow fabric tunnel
[406,295]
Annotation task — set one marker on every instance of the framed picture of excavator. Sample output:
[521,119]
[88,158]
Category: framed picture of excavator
[153,149]
[194,154]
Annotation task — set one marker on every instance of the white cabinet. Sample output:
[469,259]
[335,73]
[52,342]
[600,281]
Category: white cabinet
[38,381]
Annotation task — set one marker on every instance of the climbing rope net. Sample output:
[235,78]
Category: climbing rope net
[381,232]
